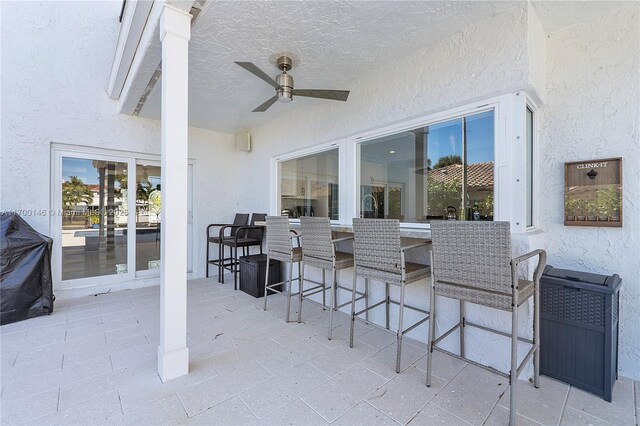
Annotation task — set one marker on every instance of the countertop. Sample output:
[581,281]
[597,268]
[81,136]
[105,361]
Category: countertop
[420,234]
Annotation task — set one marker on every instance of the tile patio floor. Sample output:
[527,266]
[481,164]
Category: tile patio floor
[93,362]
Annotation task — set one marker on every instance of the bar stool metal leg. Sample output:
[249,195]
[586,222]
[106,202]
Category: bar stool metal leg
[400,328]
[366,300]
[220,260]
[290,284]
[462,315]
[235,267]
[208,248]
[332,301]
[300,283]
[388,301]
[432,333]
[536,336]
[432,323]
[513,374]
[324,288]
[300,289]
[266,283]
[353,310]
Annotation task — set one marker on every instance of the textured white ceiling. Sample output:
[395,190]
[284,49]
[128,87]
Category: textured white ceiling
[557,15]
[332,43]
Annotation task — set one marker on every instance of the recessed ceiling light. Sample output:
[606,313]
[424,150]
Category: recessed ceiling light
[392,152]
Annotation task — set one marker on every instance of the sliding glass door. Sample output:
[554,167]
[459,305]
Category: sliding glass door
[148,215]
[94,217]
[110,220]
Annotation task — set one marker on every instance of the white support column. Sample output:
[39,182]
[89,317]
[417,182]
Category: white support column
[173,354]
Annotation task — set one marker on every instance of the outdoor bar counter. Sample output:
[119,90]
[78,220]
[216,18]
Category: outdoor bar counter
[409,236]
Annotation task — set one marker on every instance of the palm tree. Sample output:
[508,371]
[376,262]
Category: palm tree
[74,192]
[143,190]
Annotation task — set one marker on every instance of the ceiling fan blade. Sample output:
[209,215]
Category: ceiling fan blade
[258,73]
[266,105]
[336,95]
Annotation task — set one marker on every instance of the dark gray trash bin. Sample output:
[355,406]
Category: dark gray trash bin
[579,329]
[252,271]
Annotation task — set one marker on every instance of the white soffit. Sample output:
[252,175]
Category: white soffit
[332,43]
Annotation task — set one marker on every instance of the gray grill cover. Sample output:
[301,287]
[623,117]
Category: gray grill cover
[26,288]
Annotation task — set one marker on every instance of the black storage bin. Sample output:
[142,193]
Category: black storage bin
[579,329]
[252,273]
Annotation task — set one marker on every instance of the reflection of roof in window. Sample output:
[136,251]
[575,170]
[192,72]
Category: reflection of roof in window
[478,174]
[96,188]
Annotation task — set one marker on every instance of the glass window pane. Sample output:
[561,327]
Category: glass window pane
[148,210]
[309,185]
[94,198]
[529,167]
[479,138]
[392,177]
[445,170]
[442,171]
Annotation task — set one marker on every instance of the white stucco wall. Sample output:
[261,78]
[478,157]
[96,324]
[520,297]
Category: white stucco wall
[593,94]
[536,55]
[215,188]
[56,57]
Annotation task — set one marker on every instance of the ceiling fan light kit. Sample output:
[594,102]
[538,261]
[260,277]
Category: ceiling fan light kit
[284,85]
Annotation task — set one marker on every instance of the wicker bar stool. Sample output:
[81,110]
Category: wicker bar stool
[281,246]
[319,250]
[379,256]
[471,262]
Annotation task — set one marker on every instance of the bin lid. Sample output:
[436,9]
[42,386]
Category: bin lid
[584,277]
[254,258]
[578,277]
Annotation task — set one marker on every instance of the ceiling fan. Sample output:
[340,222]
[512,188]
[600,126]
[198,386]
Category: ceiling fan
[284,85]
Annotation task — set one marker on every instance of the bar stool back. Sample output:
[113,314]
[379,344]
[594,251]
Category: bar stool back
[281,246]
[319,250]
[379,255]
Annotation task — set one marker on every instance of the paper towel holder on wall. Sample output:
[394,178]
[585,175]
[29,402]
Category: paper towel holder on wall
[243,141]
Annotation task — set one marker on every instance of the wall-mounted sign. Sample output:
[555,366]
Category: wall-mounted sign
[593,193]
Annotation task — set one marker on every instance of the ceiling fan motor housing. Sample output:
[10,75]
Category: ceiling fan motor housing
[283,83]
[285,91]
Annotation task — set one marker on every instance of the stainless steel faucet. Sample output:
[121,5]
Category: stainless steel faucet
[375,205]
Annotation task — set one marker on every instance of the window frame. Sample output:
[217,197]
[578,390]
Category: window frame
[509,159]
[496,105]
[275,189]
[532,178]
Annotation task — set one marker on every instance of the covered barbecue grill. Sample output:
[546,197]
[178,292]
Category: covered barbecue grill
[26,287]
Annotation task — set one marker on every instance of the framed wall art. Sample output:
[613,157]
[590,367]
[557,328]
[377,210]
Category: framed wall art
[593,193]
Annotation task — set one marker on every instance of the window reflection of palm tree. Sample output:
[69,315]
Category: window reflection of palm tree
[448,160]
[74,192]
[155,207]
